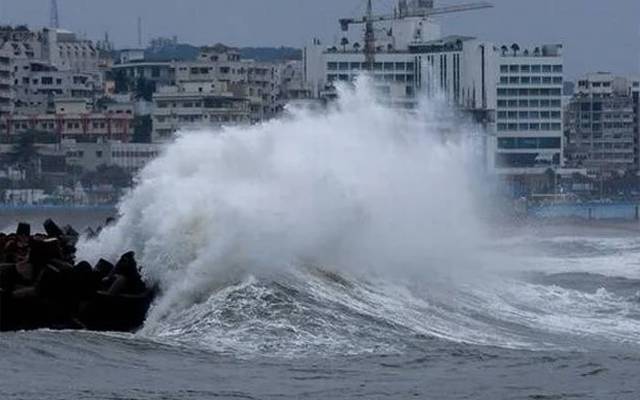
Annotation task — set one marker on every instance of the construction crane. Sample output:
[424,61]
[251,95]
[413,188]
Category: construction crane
[404,12]
[54,19]
[423,9]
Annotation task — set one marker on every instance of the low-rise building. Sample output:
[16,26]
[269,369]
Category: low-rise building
[73,120]
[196,105]
[129,156]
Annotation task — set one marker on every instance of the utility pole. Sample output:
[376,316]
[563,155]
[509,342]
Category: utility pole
[140,32]
[54,17]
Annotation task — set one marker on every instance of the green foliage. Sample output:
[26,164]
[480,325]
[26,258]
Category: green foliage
[122,82]
[145,89]
[24,149]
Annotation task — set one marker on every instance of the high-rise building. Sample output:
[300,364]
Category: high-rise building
[601,129]
[515,94]
[529,134]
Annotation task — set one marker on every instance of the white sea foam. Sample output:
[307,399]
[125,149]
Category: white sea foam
[302,233]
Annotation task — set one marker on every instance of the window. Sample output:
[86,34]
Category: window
[504,68]
[388,66]
[343,66]
[332,66]
[536,68]
[514,68]
[525,68]
[546,68]
[557,68]
[400,66]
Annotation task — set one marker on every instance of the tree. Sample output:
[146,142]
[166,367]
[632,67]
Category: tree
[122,81]
[356,46]
[515,49]
[142,127]
[107,175]
[24,154]
[344,42]
[504,50]
[536,51]
[145,89]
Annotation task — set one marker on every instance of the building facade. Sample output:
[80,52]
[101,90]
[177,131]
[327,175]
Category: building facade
[196,105]
[73,119]
[602,131]
[529,123]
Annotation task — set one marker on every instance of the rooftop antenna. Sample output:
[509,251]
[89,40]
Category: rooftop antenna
[139,32]
[54,17]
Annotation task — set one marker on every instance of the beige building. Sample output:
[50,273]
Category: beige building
[601,124]
[195,105]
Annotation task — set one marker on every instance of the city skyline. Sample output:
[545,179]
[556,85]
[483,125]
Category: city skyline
[587,36]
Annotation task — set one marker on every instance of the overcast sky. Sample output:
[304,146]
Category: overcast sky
[599,35]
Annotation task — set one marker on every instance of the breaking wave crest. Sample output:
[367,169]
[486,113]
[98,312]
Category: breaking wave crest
[350,230]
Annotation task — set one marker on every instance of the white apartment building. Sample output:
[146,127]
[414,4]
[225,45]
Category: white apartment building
[529,134]
[74,54]
[37,66]
[36,85]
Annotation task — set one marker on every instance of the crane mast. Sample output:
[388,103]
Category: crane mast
[422,9]
[369,37]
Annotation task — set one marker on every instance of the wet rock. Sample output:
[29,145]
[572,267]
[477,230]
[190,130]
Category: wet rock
[8,277]
[42,287]
[23,229]
[52,229]
[26,271]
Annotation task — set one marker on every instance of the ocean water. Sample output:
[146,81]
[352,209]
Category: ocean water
[341,255]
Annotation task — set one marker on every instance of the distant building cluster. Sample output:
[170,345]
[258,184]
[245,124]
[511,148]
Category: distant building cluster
[535,127]
[76,107]
[74,111]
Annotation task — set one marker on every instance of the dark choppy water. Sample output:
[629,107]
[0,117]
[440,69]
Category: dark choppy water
[560,321]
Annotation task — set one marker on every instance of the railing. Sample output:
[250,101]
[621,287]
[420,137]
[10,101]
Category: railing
[587,211]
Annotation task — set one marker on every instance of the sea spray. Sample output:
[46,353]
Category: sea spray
[360,188]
